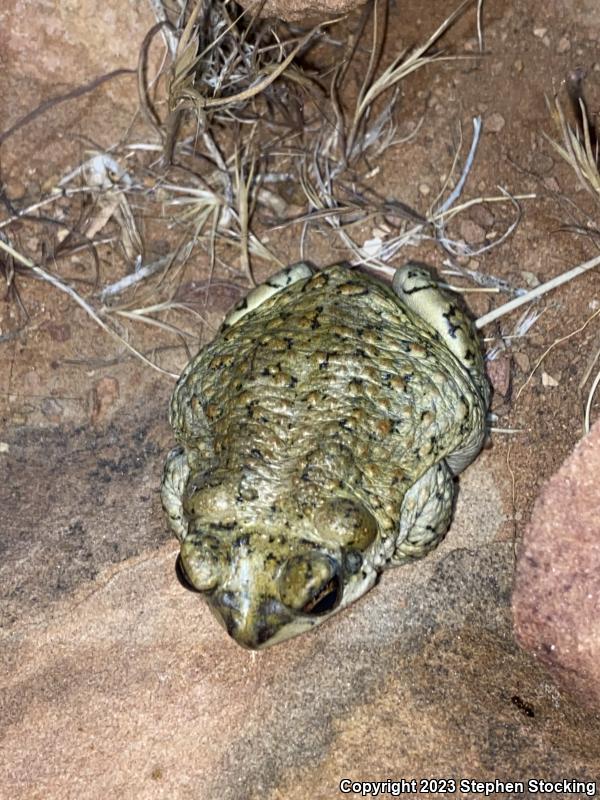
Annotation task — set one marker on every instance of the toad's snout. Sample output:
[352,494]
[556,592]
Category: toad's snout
[250,624]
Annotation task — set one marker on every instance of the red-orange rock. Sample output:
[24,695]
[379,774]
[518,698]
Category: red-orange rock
[556,599]
[311,11]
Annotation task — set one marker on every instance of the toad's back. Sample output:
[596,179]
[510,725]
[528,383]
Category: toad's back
[332,380]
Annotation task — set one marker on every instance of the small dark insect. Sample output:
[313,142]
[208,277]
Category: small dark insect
[524,707]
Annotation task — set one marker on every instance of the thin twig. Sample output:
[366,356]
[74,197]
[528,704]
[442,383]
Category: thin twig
[63,98]
[537,292]
[588,405]
[64,287]
[552,346]
[167,29]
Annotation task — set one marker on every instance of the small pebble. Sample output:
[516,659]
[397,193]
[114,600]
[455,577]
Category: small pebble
[548,380]
[518,65]
[522,361]
[479,303]
[494,123]
[530,278]
[540,32]
[498,372]
[552,184]
[482,215]
[563,44]
[424,189]
[472,232]
[4,447]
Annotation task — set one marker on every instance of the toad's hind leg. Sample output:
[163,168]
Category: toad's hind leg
[425,514]
[417,289]
[194,453]
[175,478]
[276,283]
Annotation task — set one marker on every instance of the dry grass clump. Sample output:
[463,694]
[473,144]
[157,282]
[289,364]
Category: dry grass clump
[580,148]
[252,129]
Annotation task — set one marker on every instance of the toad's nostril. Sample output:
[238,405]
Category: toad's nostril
[264,632]
[228,600]
[250,625]
[248,634]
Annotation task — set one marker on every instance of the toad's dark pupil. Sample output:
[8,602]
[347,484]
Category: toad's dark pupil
[182,577]
[325,600]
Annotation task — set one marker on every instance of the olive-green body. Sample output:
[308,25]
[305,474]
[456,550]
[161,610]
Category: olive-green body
[302,428]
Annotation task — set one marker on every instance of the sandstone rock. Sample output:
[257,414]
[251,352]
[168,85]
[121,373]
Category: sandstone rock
[305,10]
[556,601]
[522,361]
[482,215]
[121,684]
[73,45]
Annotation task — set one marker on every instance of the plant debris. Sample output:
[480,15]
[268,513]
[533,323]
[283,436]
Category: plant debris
[246,127]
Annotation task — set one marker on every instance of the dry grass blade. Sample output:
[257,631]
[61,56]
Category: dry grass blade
[588,405]
[400,68]
[242,187]
[258,128]
[552,346]
[213,102]
[577,149]
[64,287]
[167,29]
[63,98]
[540,290]
[332,170]
[184,91]
[140,273]
[584,158]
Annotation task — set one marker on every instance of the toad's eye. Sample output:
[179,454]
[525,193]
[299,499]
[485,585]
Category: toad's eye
[326,599]
[200,562]
[346,522]
[311,584]
[182,577]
